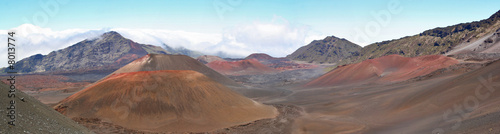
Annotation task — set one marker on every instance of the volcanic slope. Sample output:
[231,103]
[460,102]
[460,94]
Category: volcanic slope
[392,68]
[282,64]
[488,44]
[154,62]
[241,67]
[106,53]
[459,103]
[164,101]
[33,116]
[464,37]
[473,97]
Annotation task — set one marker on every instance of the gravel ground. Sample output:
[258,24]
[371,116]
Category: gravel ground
[282,124]
[33,117]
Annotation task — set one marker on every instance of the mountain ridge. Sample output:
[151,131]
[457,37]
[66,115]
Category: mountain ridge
[107,53]
[328,50]
[438,40]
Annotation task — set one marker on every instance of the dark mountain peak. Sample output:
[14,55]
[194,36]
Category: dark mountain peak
[112,35]
[329,50]
[334,41]
[37,56]
[495,16]
[332,38]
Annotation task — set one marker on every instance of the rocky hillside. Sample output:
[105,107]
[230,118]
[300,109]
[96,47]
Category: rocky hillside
[259,56]
[107,52]
[329,50]
[33,117]
[434,41]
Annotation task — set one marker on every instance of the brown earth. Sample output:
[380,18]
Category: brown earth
[387,69]
[33,117]
[259,56]
[164,101]
[48,89]
[241,67]
[281,124]
[154,62]
[466,102]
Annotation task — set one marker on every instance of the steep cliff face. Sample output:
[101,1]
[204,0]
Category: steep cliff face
[110,50]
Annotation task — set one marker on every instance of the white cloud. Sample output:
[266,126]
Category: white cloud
[277,37]
[31,40]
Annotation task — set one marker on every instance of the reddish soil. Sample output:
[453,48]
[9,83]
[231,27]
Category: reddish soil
[241,67]
[290,65]
[387,69]
[281,124]
[45,83]
[137,49]
[164,101]
[127,58]
[282,64]
[154,62]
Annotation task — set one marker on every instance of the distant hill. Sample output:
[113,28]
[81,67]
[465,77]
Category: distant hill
[329,50]
[386,69]
[108,51]
[259,56]
[241,67]
[430,42]
[278,63]
[105,53]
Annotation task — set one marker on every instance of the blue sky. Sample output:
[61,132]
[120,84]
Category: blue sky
[326,16]
[241,27]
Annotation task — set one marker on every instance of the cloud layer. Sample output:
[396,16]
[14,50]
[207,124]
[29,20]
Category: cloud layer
[277,37]
[31,40]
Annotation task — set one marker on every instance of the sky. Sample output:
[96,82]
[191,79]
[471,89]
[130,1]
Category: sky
[231,28]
